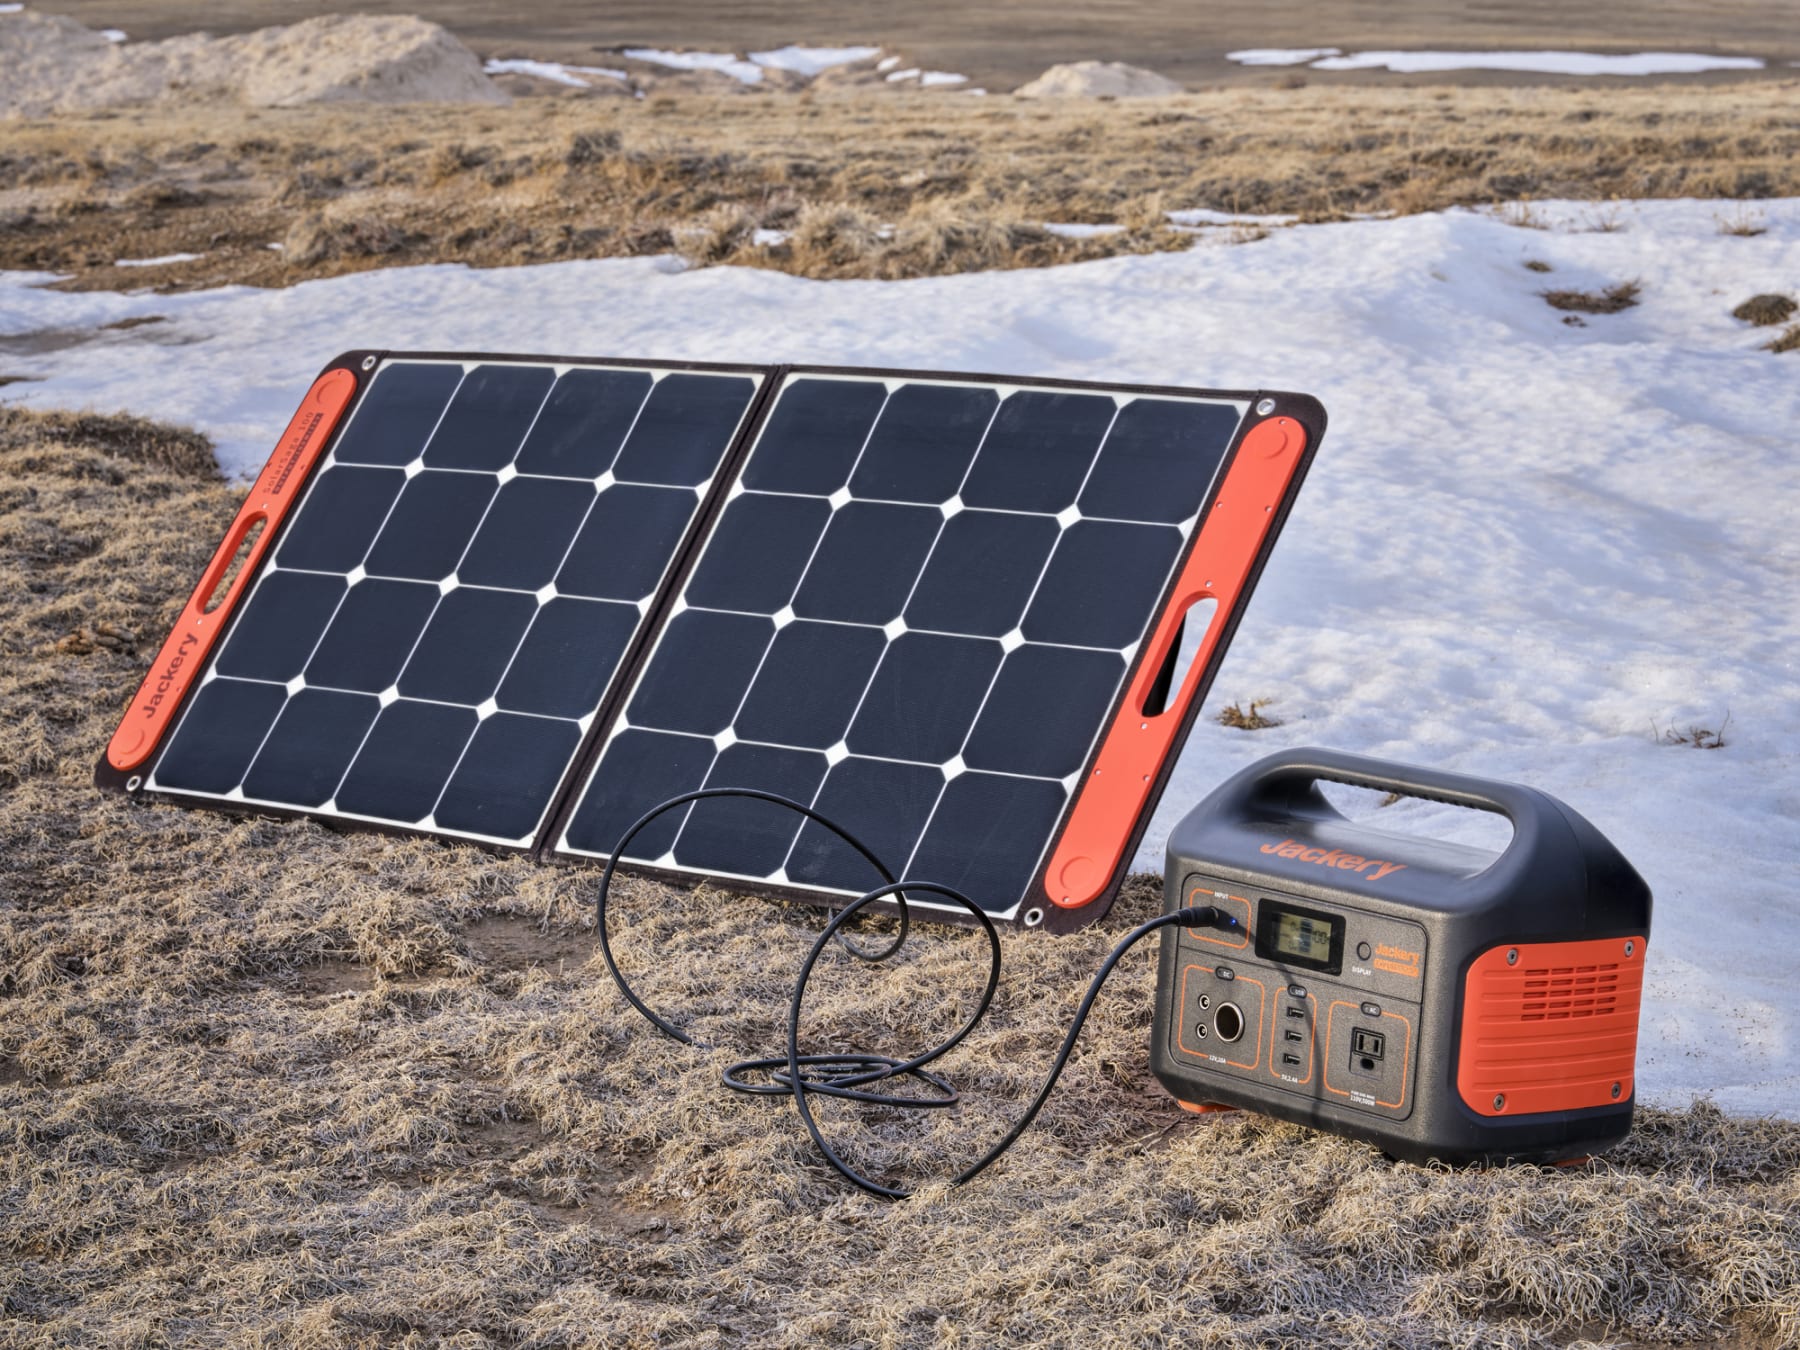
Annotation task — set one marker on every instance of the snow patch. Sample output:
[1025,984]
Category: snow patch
[1078,231]
[1202,215]
[1540,63]
[744,72]
[163,261]
[932,78]
[1280,56]
[811,61]
[555,71]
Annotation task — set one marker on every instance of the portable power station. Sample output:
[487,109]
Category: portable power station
[1440,1001]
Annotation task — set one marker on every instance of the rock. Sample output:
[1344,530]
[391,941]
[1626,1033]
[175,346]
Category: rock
[358,58]
[54,64]
[1099,79]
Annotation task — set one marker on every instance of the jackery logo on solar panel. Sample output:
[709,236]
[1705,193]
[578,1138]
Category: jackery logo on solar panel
[1337,857]
[176,662]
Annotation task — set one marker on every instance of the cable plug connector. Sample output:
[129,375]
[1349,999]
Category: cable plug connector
[1207,916]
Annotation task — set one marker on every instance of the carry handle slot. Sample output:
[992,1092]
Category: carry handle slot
[1183,654]
[220,582]
[233,564]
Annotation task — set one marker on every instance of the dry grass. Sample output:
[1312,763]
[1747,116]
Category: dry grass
[1695,736]
[863,184]
[1765,311]
[266,1084]
[1620,296]
[1744,223]
[1788,340]
[1248,717]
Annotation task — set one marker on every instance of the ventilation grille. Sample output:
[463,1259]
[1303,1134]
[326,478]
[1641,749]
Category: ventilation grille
[1556,993]
[1553,1029]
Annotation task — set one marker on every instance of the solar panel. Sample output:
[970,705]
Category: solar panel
[432,637]
[523,600]
[918,613]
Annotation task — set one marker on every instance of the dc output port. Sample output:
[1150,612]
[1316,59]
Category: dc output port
[1228,1021]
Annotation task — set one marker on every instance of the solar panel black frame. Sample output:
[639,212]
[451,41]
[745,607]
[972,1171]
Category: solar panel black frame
[366,366]
[1267,404]
[1257,406]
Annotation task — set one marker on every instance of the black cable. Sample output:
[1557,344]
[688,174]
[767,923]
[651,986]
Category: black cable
[848,1075]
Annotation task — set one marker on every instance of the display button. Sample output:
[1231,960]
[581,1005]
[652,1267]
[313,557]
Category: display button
[1364,951]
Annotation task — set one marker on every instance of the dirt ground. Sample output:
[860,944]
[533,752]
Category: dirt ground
[833,184]
[1005,45]
[266,1084]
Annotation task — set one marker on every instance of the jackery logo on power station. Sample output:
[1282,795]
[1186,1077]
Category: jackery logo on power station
[1337,858]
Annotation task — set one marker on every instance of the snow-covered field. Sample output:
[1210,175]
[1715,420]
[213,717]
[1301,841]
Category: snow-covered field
[1522,544]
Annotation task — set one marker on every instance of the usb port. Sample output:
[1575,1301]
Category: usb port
[1295,1035]
[1295,1011]
[1369,1044]
[1291,1059]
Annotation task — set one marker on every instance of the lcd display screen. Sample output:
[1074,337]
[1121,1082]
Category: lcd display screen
[1300,937]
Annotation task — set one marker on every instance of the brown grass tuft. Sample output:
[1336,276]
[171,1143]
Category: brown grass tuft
[1696,737]
[317,238]
[719,233]
[266,1083]
[1622,295]
[133,440]
[1788,340]
[1744,223]
[1538,265]
[835,235]
[1764,311]
[1247,718]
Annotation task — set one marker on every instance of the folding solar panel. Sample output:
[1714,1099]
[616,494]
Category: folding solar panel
[523,601]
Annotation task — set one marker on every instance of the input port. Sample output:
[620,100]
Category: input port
[1368,1044]
[1228,1021]
[1200,1031]
[1294,1060]
[1296,1036]
[1205,1002]
[1295,1011]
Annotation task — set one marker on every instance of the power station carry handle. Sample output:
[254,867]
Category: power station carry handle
[1302,768]
[1286,785]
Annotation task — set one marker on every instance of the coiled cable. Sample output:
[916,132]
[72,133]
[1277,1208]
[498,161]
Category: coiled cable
[852,1076]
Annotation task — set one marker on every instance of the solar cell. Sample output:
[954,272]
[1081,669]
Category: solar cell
[458,588]
[916,613]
